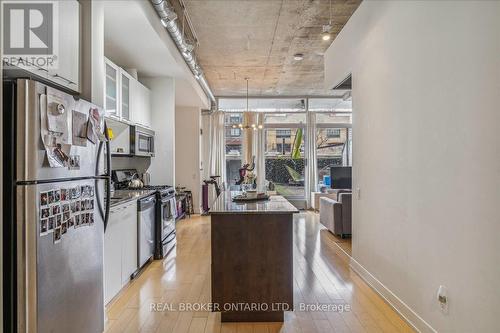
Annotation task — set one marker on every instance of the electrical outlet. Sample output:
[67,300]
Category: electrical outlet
[442,298]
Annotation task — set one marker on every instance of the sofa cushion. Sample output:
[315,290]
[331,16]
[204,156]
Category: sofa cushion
[326,212]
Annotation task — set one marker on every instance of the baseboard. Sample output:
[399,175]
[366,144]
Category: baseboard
[419,324]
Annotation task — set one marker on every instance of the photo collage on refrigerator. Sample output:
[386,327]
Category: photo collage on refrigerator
[65,208]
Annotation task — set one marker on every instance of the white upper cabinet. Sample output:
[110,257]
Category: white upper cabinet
[67,71]
[125,94]
[126,98]
[140,112]
[112,89]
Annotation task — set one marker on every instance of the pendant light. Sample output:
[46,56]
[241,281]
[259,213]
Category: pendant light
[246,126]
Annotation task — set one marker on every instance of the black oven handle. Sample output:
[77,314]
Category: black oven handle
[169,238]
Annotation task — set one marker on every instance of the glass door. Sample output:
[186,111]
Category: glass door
[284,153]
[333,146]
[333,143]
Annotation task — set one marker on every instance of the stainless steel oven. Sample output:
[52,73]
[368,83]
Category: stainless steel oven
[142,141]
[165,224]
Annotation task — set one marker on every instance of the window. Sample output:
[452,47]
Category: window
[234,146]
[337,104]
[285,160]
[333,133]
[333,118]
[285,118]
[235,119]
[333,147]
[233,132]
[236,105]
[283,133]
[285,122]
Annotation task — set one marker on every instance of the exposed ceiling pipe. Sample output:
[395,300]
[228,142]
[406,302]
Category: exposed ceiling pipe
[168,19]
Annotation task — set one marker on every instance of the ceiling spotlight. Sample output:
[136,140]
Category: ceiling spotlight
[234,126]
[325,35]
[298,56]
[253,125]
[260,126]
[240,125]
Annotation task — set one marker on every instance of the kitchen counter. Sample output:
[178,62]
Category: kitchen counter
[252,258]
[119,197]
[276,205]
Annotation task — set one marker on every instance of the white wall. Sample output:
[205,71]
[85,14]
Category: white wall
[162,167]
[187,151]
[426,124]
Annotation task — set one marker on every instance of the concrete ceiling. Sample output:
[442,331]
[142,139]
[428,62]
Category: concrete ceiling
[258,38]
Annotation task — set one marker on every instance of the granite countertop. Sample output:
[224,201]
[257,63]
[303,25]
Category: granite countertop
[121,196]
[275,205]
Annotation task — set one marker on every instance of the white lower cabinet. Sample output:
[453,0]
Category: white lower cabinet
[129,242]
[120,248]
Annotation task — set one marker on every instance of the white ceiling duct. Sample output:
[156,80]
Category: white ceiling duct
[168,19]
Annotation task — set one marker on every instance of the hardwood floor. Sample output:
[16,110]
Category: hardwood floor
[321,275]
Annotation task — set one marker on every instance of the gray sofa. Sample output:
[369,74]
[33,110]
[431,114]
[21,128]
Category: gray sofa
[335,215]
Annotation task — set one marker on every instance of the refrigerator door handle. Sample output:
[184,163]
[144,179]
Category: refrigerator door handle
[107,176]
[97,193]
[108,181]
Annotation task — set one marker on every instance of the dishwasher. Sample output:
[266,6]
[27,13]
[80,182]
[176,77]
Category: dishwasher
[146,229]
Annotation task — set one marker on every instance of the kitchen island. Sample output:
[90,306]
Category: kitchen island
[252,258]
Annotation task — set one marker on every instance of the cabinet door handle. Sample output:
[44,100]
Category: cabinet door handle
[65,79]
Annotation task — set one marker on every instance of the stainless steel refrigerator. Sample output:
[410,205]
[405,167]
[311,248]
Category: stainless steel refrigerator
[54,218]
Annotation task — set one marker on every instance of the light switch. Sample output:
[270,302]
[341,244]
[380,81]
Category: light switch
[358,193]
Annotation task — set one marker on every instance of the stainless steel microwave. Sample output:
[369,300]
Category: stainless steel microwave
[142,141]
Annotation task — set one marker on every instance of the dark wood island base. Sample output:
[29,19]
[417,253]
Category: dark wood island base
[252,259]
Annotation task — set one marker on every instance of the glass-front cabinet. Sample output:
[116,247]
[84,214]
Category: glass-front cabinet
[125,96]
[112,89]
[127,99]
[117,101]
